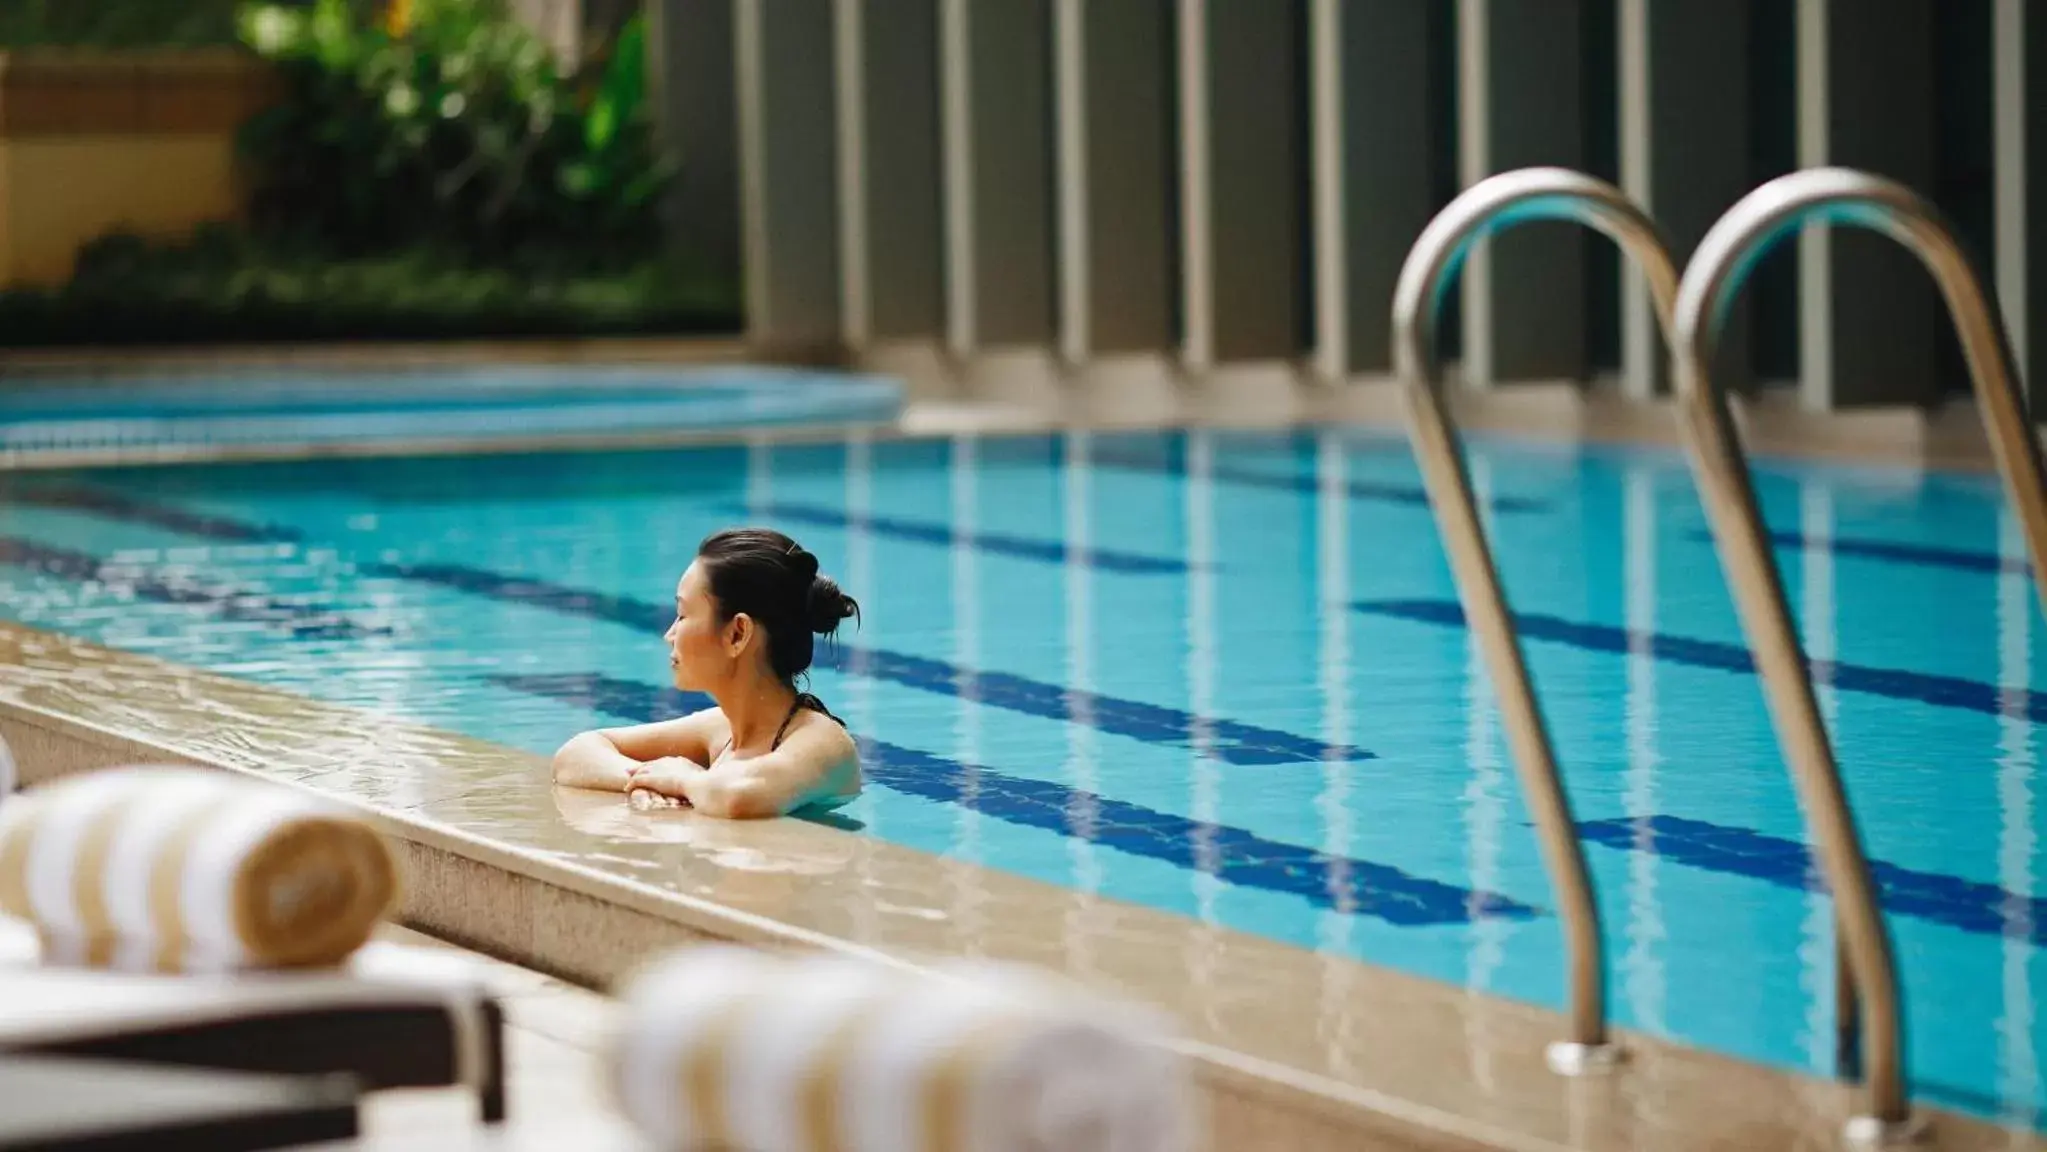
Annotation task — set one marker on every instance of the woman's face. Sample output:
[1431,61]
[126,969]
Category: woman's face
[702,649]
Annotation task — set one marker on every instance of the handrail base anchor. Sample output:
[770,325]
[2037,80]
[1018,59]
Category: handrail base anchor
[1875,1134]
[1574,1058]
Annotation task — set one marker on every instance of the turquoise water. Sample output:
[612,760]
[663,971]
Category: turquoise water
[294,408]
[1222,675]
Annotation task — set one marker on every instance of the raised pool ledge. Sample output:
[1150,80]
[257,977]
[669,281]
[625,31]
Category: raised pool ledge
[1297,1051]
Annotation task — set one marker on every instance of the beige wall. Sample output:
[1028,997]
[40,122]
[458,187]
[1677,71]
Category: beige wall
[58,194]
[92,143]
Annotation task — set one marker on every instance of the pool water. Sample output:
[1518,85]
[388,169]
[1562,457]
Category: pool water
[1221,674]
[284,409]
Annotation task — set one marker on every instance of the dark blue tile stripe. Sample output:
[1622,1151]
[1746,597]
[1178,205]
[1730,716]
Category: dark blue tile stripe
[118,506]
[995,543]
[1923,555]
[1230,741]
[1226,740]
[1891,683]
[303,621]
[1367,490]
[1982,909]
[1233,855]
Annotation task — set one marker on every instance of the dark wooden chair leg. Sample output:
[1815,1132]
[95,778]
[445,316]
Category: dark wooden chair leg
[491,1089]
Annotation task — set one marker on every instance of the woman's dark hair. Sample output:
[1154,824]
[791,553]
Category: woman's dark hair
[771,578]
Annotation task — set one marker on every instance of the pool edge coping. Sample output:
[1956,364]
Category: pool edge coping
[1599,1113]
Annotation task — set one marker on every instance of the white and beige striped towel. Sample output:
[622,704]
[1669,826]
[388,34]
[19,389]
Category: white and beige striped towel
[10,777]
[176,869]
[724,1048]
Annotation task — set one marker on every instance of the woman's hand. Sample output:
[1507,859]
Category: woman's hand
[664,777]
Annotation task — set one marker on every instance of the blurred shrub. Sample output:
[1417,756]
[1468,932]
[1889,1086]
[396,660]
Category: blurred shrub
[430,172]
[447,124]
[117,23]
[224,286]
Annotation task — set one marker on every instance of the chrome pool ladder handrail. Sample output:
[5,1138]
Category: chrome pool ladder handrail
[1489,206]
[1723,262]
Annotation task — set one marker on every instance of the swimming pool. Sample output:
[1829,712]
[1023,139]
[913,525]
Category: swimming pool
[287,411]
[1221,674]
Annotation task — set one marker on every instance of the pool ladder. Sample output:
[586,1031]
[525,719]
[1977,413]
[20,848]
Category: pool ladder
[1692,311]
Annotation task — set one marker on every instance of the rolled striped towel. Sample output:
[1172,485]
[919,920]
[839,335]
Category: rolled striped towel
[723,1048]
[175,869]
[10,777]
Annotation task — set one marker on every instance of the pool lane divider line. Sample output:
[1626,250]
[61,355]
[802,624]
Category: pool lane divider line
[1230,741]
[1911,555]
[1235,856]
[1968,905]
[993,543]
[1891,683]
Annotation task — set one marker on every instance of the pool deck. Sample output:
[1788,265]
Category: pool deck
[1295,1050]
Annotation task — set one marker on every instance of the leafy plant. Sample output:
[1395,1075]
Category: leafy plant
[452,129]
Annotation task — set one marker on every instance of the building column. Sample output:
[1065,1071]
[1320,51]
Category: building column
[1115,177]
[1867,309]
[1371,112]
[788,173]
[2019,49]
[997,76]
[1243,296]
[1520,105]
[891,254]
[693,98]
[1684,155]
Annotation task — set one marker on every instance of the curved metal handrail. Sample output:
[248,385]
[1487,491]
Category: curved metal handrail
[1724,260]
[1488,206]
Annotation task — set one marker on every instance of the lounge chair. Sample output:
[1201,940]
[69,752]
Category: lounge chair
[52,1104]
[392,1017]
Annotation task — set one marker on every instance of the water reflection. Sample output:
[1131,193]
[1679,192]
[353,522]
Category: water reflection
[1816,612]
[2018,1072]
[1485,806]
[963,492]
[859,690]
[1337,927]
[739,847]
[1205,805]
[1641,965]
[1087,915]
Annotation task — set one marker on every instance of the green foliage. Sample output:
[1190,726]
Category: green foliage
[116,23]
[225,287]
[440,179]
[456,133]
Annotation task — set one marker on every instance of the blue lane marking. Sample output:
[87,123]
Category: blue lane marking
[1923,555]
[1001,544]
[302,621]
[1982,909]
[1232,855]
[1230,741]
[1892,683]
[1174,464]
[1227,740]
[116,506]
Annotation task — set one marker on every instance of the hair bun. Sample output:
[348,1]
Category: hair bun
[805,561]
[826,605]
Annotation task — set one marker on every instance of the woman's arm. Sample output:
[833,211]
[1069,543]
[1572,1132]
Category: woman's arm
[815,761]
[604,758]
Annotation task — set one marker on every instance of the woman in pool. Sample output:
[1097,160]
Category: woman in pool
[746,615]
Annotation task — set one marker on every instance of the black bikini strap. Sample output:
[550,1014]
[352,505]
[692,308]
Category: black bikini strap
[803,700]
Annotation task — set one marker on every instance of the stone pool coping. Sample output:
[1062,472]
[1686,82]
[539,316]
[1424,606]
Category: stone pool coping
[1296,1051]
